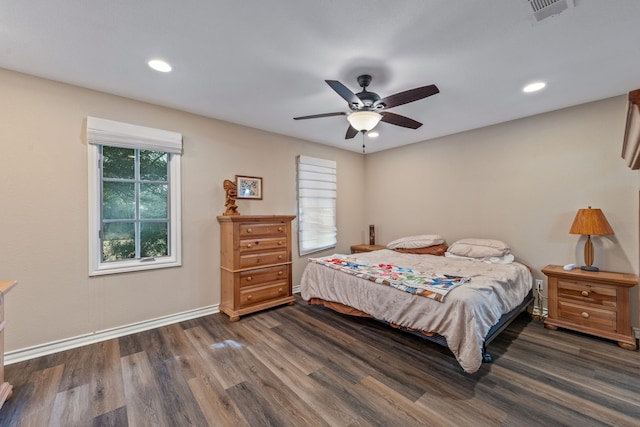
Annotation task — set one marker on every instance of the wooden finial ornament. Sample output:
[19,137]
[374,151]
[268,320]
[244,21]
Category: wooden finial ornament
[231,193]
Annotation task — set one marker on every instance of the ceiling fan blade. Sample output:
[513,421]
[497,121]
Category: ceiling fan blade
[345,93]
[351,132]
[408,96]
[398,120]
[316,116]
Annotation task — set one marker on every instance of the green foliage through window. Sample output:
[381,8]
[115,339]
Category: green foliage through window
[135,204]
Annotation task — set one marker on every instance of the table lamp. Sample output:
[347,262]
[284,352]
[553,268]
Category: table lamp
[590,222]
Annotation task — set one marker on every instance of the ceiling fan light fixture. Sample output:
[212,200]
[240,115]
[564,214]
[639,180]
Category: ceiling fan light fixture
[364,120]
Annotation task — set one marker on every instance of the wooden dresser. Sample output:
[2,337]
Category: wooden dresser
[6,390]
[255,263]
[595,303]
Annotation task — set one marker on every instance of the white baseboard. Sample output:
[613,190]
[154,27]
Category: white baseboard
[295,289]
[636,333]
[107,334]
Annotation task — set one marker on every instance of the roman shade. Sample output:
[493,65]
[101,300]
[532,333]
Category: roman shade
[316,204]
[124,135]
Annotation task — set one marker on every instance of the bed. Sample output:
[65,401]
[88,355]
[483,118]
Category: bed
[478,300]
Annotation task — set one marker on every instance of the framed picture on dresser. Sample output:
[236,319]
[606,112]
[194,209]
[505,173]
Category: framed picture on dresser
[249,187]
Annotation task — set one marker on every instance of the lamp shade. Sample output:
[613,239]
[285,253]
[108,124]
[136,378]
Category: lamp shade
[591,222]
[364,120]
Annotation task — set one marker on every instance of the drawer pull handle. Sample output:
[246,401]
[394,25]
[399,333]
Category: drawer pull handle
[279,228]
[249,297]
[249,231]
[280,243]
[279,290]
[249,245]
[585,314]
[280,273]
[249,279]
[279,256]
[585,293]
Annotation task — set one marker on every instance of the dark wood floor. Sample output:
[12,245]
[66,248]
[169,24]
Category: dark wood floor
[305,366]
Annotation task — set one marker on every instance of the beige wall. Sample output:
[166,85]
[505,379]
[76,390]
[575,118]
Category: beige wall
[43,214]
[521,182]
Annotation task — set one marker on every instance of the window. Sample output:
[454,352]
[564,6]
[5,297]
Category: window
[134,197]
[316,204]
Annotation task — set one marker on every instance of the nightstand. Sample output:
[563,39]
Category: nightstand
[595,303]
[366,248]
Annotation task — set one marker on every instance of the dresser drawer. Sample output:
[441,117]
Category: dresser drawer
[262,229]
[585,292]
[258,294]
[263,258]
[264,275]
[587,315]
[263,244]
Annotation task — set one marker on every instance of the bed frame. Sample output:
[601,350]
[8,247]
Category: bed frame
[503,322]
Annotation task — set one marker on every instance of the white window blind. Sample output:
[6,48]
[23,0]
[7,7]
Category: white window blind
[316,204]
[125,135]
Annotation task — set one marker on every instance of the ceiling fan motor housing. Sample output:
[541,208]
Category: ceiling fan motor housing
[369,99]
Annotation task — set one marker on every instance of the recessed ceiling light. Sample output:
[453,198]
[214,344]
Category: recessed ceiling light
[159,65]
[534,87]
[373,134]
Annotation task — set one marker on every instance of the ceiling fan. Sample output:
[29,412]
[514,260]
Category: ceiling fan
[368,109]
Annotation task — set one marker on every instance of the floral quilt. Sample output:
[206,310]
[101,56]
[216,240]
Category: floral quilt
[403,278]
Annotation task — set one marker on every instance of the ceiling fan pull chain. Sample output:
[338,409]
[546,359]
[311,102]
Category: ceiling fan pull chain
[363,132]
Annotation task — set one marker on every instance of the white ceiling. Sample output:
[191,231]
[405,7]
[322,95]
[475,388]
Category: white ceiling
[260,63]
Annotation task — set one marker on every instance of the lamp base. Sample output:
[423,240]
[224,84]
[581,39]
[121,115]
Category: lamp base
[589,268]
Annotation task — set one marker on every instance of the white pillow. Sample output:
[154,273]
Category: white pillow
[479,248]
[506,259]
[413,242]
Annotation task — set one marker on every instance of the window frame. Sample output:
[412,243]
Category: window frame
[101,132]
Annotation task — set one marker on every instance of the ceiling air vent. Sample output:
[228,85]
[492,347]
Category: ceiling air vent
[543,9]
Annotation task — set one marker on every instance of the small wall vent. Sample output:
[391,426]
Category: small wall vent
[543,9]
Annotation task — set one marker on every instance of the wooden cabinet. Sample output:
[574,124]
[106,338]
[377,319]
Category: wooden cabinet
[595,303]
[366,248]
[255,263]
[6,390]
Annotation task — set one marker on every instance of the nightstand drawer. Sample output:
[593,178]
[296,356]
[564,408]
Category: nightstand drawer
[587,315]
[584,292]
